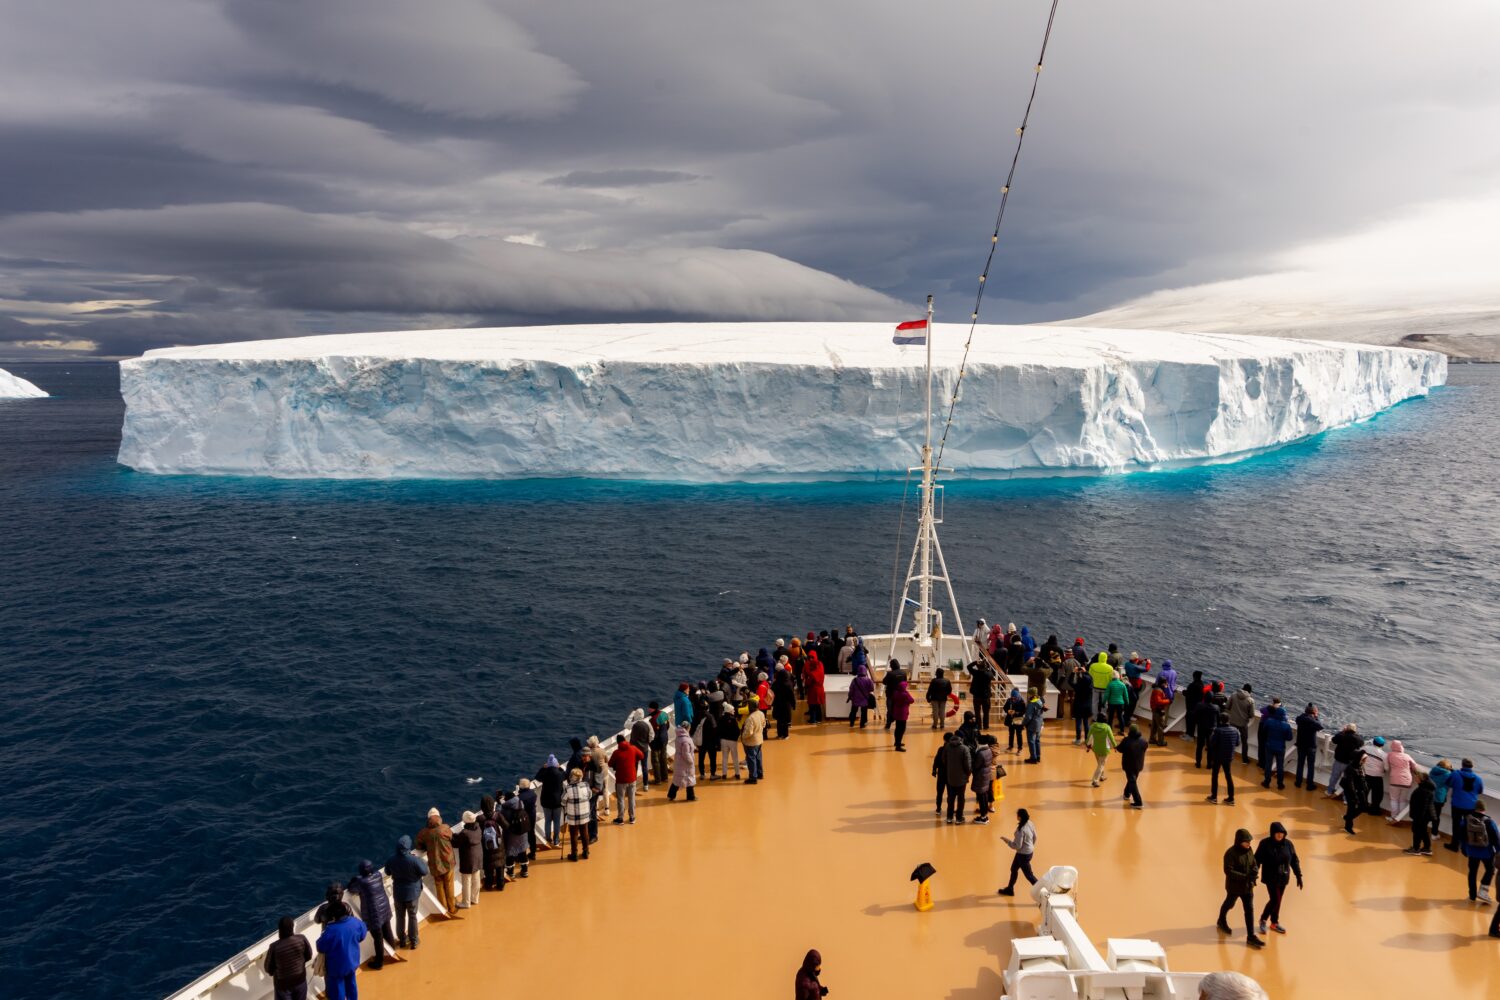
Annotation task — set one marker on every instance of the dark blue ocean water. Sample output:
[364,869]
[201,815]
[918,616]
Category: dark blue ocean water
[220,693]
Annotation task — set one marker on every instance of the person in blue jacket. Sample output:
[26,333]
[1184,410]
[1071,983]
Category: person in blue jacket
[1480,839]
[1439,773]
[339,945]
[1277,732]
[682,706]
[1464,788]
[406,871]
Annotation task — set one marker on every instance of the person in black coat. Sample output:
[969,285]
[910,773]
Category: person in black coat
[1421,812]
[1277,858]
[1083,703]
[1308,728]
[1132,750]
[783,701]
[1192,695]
[1352,781]
[1222,743]
[707,738]
[981,690]
[1206,715]
[938,690]
[375,911]
[894,675]
[955,766]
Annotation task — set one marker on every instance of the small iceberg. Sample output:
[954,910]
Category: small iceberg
[15,387]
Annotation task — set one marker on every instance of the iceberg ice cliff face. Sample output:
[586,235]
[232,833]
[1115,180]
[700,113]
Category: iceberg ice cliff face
[743,401]
[15,387]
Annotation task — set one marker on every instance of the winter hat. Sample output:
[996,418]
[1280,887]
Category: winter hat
[552,760]
[365,868]
[744,657]
[1242,836]
[433,812]
[468,817]
[1379,741]
[404,844]
[1165,664]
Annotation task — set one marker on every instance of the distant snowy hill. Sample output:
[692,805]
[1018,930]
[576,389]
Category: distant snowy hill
[747,401]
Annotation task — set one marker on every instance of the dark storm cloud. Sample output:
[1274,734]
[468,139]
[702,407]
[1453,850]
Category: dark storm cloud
[176,171]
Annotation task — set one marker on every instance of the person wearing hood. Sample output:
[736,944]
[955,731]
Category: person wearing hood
[683,773]
[1161,703]
[1308,728]
[984,777]
[518,822]
[861,696]
[846,657]
[981,637]
[1276,731]
[436,841]
[1101,673]
[808,985]
[406,871]
[1083,702]
[1169,675]
[1464,789]
[1352,783]
[981,689]
[1192,695]
[956,770]
[706,739]
[1239,879]
[763,661]
[286,961]
[783,700]
[861,657]
[1207,716]
[577,795]
[375,911]
[661,738]
[1049,647]
[1101,741]
[1132,750]
[1276,857]
[641,734]
[1027,642]
[1374,767]
[899,708]
[1241,711]
[812,682]
[468,845]
[1399,769]
[1439,773]
[894,675]
[492,832]
[339,946]
[550,780]
[1037,676]
[1036,714]
[1421,810]
[682,705]
[938,690]
[1014,711]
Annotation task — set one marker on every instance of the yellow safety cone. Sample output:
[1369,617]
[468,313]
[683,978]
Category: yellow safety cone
[920,875]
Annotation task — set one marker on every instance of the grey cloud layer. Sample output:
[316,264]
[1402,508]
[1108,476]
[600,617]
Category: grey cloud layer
[263,167]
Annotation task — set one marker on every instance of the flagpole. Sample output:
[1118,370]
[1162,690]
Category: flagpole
[925,521]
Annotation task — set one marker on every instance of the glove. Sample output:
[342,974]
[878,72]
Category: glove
[822,991]
[1299,881]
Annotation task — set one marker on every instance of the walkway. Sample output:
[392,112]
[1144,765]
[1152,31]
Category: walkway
[722,897]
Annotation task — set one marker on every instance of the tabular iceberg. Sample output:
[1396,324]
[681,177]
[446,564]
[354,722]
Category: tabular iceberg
[740,401]
[15,387]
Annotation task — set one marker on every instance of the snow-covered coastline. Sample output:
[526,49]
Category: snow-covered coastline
[15,387]
[740,401]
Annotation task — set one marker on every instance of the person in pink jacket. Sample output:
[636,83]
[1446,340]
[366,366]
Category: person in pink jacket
[1399,776]
[901,702]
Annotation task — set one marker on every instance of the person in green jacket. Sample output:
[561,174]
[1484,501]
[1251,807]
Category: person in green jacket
[1101,673]
[1101,740]
[1117,694]
[1239,886]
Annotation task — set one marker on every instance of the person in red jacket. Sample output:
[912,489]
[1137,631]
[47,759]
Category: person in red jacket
[624,762]
[1160,703]
[812,678]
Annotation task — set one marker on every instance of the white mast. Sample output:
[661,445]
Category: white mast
[927,626]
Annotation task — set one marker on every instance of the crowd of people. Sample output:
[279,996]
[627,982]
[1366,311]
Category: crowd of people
[716,730]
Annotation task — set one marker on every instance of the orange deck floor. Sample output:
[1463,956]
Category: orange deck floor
[722,897]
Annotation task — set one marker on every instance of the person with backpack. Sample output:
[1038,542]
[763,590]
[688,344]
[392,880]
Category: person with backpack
[492,835]
[1239,876]
[938,690]
[1464,789]
[1480,841]
[1421,808]
[1276,858]
[375,911]
[576,798]
[406,871]
[1352,782]
[286,961]
[1308,728]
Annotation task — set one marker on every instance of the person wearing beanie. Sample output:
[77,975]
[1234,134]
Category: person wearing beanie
[1464,789]
[1239,881]
[1277,859]
[406,871]
[436,841]
[375,911]
[468,845]
[577,796]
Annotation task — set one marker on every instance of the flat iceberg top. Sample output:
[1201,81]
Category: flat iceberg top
[15,387]
[741,401]
[857,345]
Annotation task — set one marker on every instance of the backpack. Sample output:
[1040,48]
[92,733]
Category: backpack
[1476,831]
[491,837]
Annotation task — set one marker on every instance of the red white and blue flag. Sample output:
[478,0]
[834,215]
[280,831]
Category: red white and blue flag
[914,332]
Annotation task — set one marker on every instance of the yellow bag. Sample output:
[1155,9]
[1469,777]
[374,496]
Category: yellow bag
[999,789]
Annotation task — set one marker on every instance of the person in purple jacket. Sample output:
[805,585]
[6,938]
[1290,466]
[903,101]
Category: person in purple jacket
[1169,675]
[861,697]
